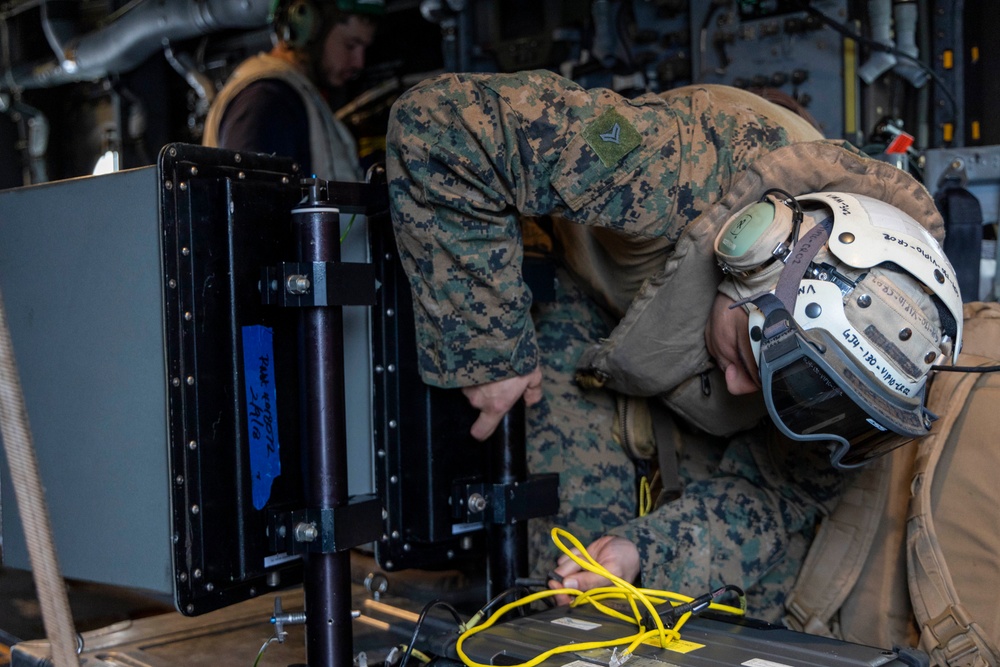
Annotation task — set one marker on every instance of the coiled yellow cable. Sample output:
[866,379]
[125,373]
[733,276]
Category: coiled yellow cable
[619,590]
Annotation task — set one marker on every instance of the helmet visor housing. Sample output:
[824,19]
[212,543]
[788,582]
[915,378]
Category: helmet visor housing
[814,391]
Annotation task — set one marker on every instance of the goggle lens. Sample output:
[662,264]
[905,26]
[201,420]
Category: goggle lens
[809,403]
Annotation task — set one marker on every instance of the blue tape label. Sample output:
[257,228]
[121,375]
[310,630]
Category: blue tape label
[262,411]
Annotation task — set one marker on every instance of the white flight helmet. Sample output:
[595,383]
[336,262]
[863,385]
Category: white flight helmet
[851,303]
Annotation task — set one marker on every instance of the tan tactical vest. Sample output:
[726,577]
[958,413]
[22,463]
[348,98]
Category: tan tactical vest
[332,148]
[911,556]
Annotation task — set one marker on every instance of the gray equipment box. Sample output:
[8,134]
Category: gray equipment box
[705,642]
[80,275]
[120,326]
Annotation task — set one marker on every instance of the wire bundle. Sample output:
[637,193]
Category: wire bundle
[642,603]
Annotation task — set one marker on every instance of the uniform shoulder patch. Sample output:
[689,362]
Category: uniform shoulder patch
[612,137]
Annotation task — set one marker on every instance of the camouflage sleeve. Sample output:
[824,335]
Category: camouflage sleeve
[739,526]
[455,156]
[468,154]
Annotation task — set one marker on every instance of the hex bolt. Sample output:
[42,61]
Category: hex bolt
[297,284]
[377,584]
[477,503]
[306,532]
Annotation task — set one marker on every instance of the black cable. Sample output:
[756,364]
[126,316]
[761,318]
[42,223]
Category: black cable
[703,33]
[967,369]
[622,33]
[797,215]
[845,31]
[420,621]
[702,602]
[7,638]
[716,6]
[510,591]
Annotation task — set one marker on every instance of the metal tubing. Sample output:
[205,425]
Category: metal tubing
[327,583]
[508,541]
[128,40]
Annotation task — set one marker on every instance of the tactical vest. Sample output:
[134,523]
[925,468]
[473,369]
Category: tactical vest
[911,556]
[332,148]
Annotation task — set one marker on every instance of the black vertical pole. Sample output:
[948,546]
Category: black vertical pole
[327,584]
[508,540]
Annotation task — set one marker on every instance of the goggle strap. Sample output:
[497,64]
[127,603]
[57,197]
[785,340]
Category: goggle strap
[786,292]
[777,331]
[798,261]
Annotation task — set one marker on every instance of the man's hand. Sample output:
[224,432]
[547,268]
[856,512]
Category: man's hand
[616,554]
[495,399]
[728,341]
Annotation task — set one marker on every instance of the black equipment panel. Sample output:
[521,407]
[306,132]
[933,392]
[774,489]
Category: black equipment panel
[225,216]
[423,446]
[226,221]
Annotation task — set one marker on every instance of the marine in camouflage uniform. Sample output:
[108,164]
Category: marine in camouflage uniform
[469,156]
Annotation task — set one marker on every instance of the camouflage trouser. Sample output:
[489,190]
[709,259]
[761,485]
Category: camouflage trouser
[733,527]
[729,526]
[569,431]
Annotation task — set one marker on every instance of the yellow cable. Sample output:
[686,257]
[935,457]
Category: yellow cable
[645,498]
[419,655]
[547,654]
[620,590]
[587,562]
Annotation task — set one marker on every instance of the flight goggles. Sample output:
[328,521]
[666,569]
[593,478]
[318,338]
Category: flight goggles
[814,391]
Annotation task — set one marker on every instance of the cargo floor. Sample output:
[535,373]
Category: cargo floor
[120,626]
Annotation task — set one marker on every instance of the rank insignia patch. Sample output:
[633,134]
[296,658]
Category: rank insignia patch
[612,137]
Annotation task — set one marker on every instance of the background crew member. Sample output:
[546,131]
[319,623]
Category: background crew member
[276,102]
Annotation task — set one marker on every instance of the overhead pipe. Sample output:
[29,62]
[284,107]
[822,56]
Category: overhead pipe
[894,26]
[58,24]
[905,18]
[129,40]
[879,62]
[201,84]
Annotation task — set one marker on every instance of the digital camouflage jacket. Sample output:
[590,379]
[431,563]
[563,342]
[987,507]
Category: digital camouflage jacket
[468,155]
[638,189]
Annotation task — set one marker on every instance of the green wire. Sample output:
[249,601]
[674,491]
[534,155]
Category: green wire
[348,230]
[260,653]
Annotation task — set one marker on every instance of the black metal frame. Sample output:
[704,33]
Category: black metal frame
[211,199]
[282,256]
